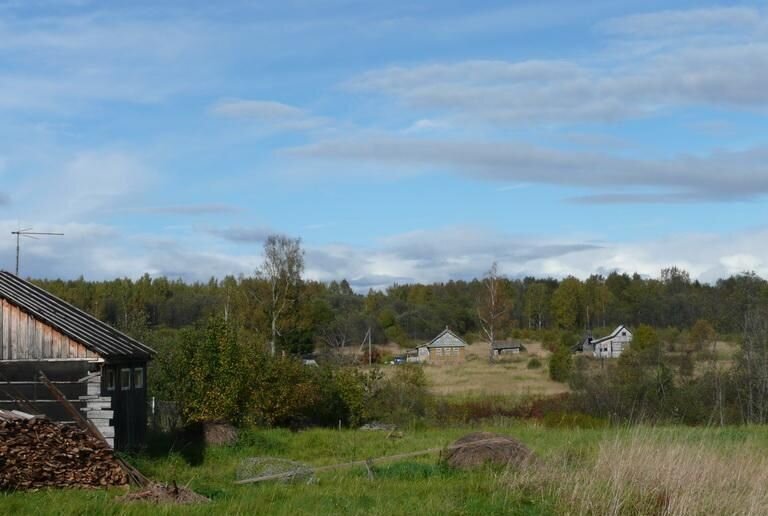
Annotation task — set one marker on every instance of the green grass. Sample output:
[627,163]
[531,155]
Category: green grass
[414,486]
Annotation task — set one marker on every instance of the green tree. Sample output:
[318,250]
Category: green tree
[207,373]
[282,269]
[702,335]
[536,300]
[560,364]
[567,302]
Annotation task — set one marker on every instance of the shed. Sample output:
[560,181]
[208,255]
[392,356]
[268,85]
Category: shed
[610,346]
[102,371]
[499,348]
[446,347]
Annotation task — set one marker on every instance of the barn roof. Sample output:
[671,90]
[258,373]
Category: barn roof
[613,334]
[78,325]
[446,339]
[507,344]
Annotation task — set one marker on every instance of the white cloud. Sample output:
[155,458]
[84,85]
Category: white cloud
[269,113]
[720,175]
[677,22]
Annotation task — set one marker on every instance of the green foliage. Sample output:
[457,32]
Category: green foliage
[567,303]
[206,372]
[560,364]
[702,335]
[280,390]
[534,363]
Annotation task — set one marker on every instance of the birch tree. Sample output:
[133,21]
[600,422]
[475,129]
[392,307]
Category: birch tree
[493,307]
[281,270]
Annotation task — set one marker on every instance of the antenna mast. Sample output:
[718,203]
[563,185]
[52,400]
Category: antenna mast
[27,232]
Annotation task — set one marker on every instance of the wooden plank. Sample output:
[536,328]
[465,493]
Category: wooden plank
[12,337]
[7,331]
[3,355]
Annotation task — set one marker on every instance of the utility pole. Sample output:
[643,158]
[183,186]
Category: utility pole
[29,234]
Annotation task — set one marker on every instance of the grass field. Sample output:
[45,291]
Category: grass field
[476,376]
[669,470]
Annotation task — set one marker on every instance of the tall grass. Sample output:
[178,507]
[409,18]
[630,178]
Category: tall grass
[653,473]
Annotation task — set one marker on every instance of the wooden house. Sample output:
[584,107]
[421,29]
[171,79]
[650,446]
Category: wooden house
[446,347]
[610,346]
[102,371]
[500,348]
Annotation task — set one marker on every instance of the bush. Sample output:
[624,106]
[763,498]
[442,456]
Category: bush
[401,398]
[534,363]
[560,365]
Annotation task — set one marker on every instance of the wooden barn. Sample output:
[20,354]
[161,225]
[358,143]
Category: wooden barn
[446,347]
[610,346]
[102,371]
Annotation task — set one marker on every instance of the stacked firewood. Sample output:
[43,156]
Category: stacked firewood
[37,453]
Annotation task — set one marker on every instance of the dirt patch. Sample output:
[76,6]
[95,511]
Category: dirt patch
[162,494]
[480,448]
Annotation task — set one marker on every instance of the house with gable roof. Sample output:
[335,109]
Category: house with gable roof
[446,347]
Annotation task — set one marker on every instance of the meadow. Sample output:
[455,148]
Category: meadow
[476,376]
[635,470]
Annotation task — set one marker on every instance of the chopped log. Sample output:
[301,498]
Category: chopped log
[37,453]
[133,474]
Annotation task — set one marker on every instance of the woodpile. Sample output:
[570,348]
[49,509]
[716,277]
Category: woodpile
[36,452]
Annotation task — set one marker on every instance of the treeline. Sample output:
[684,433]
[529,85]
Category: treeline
[333,315]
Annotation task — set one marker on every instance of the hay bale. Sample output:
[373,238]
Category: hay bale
[217,433]
[480,448]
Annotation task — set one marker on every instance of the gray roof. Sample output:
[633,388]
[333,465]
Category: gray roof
[507,344]
[446,339]
[613,334]
[76,324]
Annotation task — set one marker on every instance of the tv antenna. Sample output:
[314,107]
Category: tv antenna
[27,232]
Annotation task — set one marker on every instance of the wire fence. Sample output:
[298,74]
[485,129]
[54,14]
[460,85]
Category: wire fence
[164,416]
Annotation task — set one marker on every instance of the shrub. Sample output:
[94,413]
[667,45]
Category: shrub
[534,363]
[560,365]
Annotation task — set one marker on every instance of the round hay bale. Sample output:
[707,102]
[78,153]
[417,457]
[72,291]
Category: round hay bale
[219,433]
[480,448]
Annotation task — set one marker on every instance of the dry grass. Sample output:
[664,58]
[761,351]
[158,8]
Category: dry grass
[644,474]
[476,376]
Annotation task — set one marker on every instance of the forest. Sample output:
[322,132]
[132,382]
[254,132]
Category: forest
[228,348]
[333,315]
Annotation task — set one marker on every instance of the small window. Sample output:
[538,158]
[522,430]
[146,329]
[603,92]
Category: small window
[138,378]
[110,379]
[624,333]
[125,379]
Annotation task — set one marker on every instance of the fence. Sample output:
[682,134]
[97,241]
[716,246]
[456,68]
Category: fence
[164,416]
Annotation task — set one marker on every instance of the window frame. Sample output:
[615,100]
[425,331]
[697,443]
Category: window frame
[140,383]
[111,380]
[123,386]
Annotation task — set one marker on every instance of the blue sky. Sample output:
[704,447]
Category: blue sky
[400,141]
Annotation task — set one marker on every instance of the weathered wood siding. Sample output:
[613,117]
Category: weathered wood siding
[22,337]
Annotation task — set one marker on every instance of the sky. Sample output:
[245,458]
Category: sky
[401,141]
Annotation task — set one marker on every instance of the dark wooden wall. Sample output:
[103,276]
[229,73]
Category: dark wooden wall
[129,404]
[19,381]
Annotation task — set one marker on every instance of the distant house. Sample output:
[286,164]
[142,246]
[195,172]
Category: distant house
[101,371]
[446,347]
[610,346]
[506,347]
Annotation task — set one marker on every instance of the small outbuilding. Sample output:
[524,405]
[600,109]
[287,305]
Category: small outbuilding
[501,348]
[100,370]
[446,347]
